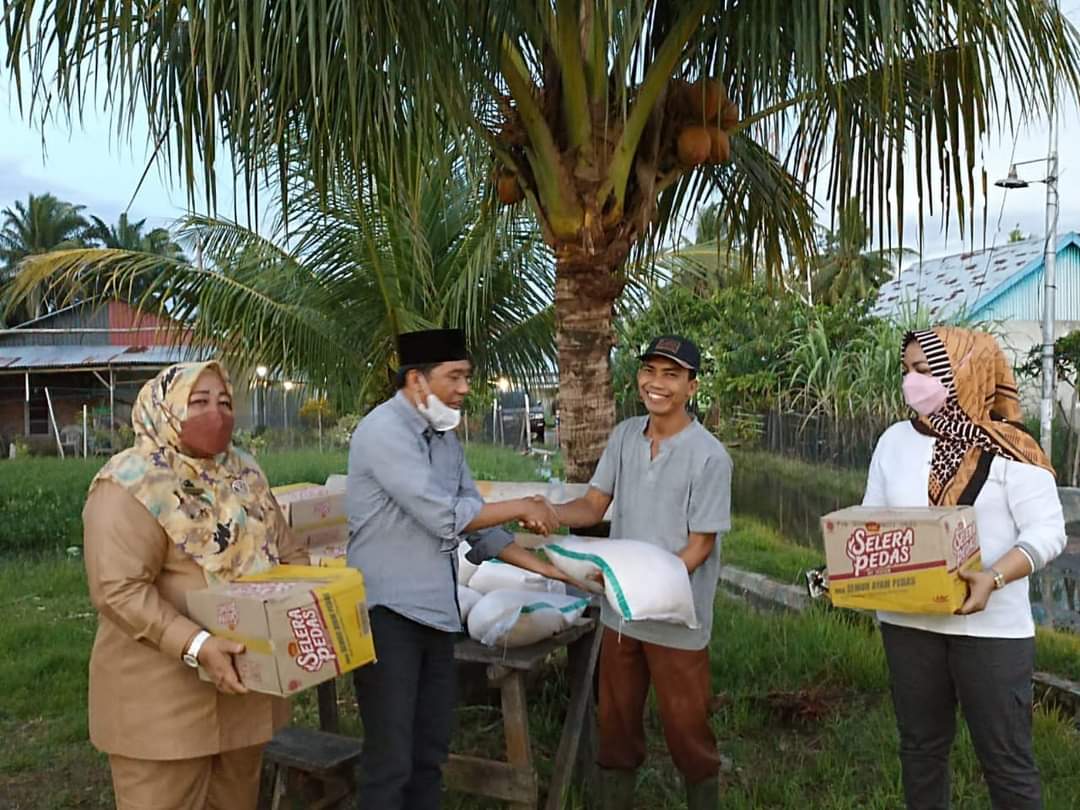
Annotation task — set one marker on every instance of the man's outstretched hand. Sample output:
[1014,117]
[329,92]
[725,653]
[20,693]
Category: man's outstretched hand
[538,515]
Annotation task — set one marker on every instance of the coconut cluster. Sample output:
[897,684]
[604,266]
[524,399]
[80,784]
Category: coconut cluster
[705,116]
[698,118]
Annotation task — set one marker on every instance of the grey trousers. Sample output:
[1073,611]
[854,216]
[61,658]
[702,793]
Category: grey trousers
[406,703]
[991,680]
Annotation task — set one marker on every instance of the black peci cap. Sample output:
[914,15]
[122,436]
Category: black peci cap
[431,346]
[676,348]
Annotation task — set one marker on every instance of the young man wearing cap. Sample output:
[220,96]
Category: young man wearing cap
[411,499]
[670,480]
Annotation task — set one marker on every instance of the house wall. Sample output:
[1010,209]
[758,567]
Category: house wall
[76,318]
[1017,338]
[1024,300]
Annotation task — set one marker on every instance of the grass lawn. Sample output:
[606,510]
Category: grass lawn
[804,714]
[802,711]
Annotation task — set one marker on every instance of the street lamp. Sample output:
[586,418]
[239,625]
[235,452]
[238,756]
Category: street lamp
[260,391]
[287,386]
[1013,180]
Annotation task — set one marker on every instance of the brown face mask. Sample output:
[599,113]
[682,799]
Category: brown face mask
[207,434]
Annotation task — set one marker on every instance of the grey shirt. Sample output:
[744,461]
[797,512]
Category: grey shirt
[686,488]
[409,495]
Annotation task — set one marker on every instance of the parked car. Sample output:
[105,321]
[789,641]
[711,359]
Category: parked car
[537,422]
[512,404]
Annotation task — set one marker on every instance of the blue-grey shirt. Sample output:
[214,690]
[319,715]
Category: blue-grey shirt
[686,488]
[409,495]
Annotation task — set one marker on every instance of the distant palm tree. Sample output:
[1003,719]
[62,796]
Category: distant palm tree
[324,300]
[128,235]
[844,270]
[43,224]
[716,258]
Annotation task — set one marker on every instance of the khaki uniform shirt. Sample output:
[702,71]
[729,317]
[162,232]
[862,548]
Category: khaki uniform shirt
[145,703]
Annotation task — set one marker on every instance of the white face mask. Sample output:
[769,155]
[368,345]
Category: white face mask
[440,416]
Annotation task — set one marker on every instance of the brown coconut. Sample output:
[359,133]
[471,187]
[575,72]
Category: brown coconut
[720,146]
[509,189]
[729,115]
[695,145]
[709,98]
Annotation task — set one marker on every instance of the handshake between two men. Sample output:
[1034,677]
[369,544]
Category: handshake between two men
[539,515]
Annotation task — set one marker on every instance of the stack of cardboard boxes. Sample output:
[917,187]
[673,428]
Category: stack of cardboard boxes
[316,515]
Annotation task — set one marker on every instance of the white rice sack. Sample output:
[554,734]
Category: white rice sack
[495,575]
[520,618]
[641,581]
[465,569]
[336,482]
[467,599]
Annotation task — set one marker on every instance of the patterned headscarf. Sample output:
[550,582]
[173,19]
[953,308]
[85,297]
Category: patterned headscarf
[980,418]
[218,510]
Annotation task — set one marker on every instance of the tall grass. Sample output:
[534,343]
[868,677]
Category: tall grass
[792,495]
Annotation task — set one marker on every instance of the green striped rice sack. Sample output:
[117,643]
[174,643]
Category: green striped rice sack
[641,581]
[520,618]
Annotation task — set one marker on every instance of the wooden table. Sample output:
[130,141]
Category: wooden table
[514,780]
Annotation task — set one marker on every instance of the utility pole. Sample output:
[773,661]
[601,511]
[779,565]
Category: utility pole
[1046,409]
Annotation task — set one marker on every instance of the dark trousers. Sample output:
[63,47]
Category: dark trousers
[683,693]
[406,703]
[990,678]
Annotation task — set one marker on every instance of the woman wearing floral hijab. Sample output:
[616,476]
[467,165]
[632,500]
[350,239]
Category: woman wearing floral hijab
[180,509]
[967,446]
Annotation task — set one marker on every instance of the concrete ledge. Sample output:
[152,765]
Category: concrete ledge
[763,592]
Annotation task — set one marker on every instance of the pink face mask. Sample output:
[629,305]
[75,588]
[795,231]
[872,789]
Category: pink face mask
[924,393]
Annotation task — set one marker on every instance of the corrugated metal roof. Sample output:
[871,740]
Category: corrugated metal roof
[29,357]
[967,281]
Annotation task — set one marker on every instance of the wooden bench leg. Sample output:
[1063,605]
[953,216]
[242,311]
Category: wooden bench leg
[578,737]
[516,729]
[328,708]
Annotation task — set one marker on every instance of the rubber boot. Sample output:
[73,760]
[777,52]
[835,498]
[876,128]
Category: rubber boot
[703,795]
[617,789]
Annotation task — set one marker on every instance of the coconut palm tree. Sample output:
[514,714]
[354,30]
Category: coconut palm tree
[42,224]
[128,235]
[586,110]
[844,269]
[324,299]
[131,236]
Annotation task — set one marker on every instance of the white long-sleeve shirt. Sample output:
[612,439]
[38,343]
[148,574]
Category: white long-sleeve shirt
[1019,504]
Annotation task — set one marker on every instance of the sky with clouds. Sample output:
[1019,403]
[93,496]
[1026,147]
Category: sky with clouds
[89,164]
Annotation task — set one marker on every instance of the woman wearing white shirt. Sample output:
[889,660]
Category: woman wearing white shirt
[966,446]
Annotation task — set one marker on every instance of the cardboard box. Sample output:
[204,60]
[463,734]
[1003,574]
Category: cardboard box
[310,505]
[901,560]
[335,534]
[301,625]
[330,556]
[316,514]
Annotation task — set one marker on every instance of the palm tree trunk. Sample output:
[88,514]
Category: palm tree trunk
[584,334]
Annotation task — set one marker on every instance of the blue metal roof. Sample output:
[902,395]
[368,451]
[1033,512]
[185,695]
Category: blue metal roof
[21,358]
[972,284]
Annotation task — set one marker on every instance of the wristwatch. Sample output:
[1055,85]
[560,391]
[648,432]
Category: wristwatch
[999,579]
[191,654]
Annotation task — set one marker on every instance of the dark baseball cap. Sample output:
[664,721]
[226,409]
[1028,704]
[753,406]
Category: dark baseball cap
[676,348]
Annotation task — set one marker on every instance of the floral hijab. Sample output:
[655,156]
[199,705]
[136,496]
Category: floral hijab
[218,510]
[980,418]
